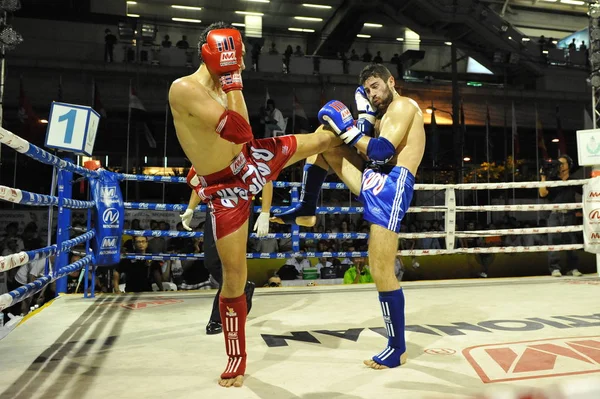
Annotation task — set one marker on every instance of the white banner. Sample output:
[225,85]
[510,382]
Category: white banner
[591,215]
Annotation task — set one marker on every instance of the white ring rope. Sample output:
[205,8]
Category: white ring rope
[501,186]
[509,208]
[493,233]
[489,250]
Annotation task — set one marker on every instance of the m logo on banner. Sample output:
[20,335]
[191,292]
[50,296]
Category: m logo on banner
[110,216]
[535,359]
[109,242]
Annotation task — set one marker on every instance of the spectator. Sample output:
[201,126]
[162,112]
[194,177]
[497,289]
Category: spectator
[378,59]
[359,273]
[109,44]
[354,56]
[573,45]
[273,49]
[183,43]
[138,272]
[323,262]
[273,118]
[11,231]
[255,54]
[267,245]
[345,63]
[367,56]
[298,52]
[558,195]
[299,261]
[166,43]
[395,59]
[582,47]
[287,55]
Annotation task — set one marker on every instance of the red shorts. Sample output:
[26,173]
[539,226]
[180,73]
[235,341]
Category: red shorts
[229,192]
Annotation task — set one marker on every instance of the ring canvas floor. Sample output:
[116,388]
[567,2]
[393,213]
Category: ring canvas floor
[465,337]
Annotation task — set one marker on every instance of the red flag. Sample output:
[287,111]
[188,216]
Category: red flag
[562,143]
[97,103]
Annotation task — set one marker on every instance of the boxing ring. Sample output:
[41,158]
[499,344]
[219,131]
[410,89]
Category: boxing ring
[498,337]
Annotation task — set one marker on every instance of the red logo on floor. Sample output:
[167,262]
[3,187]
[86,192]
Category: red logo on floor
[535,359]
[150,303]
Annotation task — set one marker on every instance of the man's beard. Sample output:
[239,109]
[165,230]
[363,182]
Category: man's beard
[385,102]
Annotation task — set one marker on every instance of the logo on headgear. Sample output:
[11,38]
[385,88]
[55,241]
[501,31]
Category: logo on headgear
[110,217]
[593,195]
[595,236]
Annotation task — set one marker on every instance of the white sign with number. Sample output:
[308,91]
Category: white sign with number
[72,128]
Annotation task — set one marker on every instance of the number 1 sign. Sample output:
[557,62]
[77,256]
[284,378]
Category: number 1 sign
[72,128]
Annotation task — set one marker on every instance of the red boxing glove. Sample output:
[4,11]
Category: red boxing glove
[234,128]
[222,54]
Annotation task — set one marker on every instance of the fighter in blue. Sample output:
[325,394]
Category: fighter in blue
[390,138]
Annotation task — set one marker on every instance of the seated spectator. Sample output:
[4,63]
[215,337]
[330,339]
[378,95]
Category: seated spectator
[367,56]
[273,282]
[358,273]
[166,43]
[378,59]
[354,56]
[267,245]
[323,262]
[298,52]
[138,273]
[183,43]
[273,50]
[299,261]
[273,118]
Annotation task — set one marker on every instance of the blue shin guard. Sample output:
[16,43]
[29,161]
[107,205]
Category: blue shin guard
[312,180]
[392,306]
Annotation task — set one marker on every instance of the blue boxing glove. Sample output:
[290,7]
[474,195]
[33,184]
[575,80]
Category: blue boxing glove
[366,113]
[337,116]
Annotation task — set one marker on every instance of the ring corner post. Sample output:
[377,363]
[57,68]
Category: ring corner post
[65,191]
[295,227]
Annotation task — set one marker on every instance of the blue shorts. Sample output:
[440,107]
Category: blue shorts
[386,196]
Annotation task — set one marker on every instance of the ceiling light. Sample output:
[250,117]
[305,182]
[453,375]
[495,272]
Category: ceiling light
[363,36]
[316,6]
[238,24]
[574,2]
[466,159]
[526,39]
[197,21]
[448,43]
[301,30]
[400,39]
[258,1]
[371,25]
[309,19]
[555,140]
[133,15]
[131,3]
[256,14]
[186,7]
[43,120]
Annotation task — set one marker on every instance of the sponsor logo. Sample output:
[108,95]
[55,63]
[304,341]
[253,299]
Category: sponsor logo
[232,335]
[595,236]
[110,218]
[535,359]
[228,58]
[594,194]
[109,242]
[226,44]
[237,164]
[230,312]
[338,106]
[594,216]
[285,150]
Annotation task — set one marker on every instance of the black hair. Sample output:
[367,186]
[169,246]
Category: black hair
[204,34]
[270,101]
[569,160]
[374,70]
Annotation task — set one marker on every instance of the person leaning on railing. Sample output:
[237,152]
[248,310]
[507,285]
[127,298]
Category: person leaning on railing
[560,170]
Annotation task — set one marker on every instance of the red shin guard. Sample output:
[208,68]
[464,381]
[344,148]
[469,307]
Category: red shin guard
[233,317]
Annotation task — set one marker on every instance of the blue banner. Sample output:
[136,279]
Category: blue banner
[109,215]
